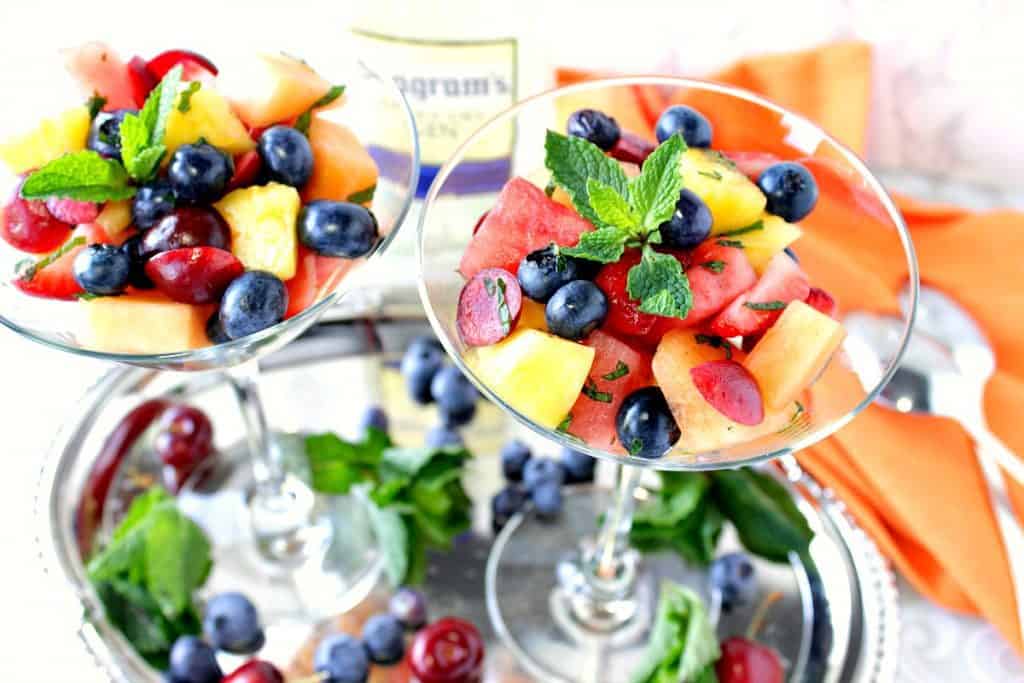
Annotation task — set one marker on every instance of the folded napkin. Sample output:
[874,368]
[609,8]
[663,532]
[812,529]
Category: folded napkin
[912,482]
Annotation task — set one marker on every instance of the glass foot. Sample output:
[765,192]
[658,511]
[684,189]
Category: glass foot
[540,606]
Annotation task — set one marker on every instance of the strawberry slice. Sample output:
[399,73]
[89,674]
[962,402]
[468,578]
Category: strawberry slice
[193,64]
[247,168]
[56,280]
[755,311]
[822,301]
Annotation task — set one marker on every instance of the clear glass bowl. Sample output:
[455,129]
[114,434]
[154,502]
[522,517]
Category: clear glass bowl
[375,111]
[780,133]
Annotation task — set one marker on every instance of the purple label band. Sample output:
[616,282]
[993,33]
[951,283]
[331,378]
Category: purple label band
[469,177]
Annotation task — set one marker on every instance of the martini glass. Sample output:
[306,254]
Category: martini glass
[573,600]
[285,526]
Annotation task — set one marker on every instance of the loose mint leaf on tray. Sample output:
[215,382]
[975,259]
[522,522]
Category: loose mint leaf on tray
[393,540]
[682,647]
[84,176]
[655,192]
[177,560]
[573,161]
[660,285]
[336,465]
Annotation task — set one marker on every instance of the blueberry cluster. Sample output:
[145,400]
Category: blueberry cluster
[538,480]
[429,378]
[574,306]
[230,624]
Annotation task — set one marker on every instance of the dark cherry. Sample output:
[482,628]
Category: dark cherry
[255,671]
[450,650]
[184,439]
[186,226]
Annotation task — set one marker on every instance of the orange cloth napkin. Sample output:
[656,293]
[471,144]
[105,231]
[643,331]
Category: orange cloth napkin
[912,482]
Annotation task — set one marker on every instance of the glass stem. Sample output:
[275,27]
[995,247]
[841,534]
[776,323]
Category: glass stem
[245,383]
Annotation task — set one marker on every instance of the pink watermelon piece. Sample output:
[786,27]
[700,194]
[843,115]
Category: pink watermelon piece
[593,416]
[101,71]
[522,220]
[782,282]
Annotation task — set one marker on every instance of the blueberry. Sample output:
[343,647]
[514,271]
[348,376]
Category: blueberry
[105,133]
[514,456]
[215,330]
[443,437]
[452,391]
[733,575]
[542,272]
[576,310]
[230,623]
[102,269]
[252,302]
[547,499]
[690,223]
[694,126]
[339,229]
[457,418]
[595,126]
[409,607]
[791,190]
[151,203]
[505,504]
[645,424]
[193,661]
[375,417]
[287,156]
[343,659]
[792,254]
[133,249]
[539,470]
[422,359]
[384,638]
[199,173]
[579,467]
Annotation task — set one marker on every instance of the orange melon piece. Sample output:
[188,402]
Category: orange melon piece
[792,353]
[272,88]
[703,428]
[341,165]
[532,316]
[144,323]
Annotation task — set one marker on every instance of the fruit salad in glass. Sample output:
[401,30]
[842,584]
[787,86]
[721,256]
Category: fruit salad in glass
[645,296]
[181,207]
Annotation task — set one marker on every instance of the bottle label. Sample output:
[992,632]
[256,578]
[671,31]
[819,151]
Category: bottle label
[453,88]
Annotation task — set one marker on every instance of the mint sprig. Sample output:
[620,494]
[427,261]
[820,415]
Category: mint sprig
[83,176]
[682,645]
[626,214]
[142,134]
[27,269]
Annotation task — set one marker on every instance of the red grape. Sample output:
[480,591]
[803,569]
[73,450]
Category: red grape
[448,651]
[745,661]
[195,275]
[187,226]
[730,389]
[489,306]
[28,225]
[255,671]
[185,438]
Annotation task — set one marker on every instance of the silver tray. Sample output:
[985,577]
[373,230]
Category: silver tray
[321,381]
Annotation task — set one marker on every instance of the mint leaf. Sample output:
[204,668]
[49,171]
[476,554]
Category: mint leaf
[393,541]
[604,245]
[306,118]
[84,176]
[362,196]
[336,465]
[27,269]
[572,162]
[660,285]
[185,100]
[611,207]
[682,646]
[95,105]
[655,192]
[142,134]
[177,559]
[621,370]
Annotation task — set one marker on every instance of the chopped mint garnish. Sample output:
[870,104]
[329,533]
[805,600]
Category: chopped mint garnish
[142,134]
[756,225]
[362,196]
[621,370]
[185,101]
[635,446]
[660,284]
[765,305]
[83,176]
[496,290]
[736,244]
[715,267]
[95,105]
[27,268]
[714,175]
[306,118]
[590,391]
[550,188]
[563,426]
[716,342]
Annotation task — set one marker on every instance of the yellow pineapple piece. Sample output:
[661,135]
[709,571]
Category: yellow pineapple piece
[538,374]
[144,323]
[703,428]
[262,221]
[209,116]
[734,201]
[760,246]
[793,352]
[52,138]
[115,217]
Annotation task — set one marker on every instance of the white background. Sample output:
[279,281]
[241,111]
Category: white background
[952,76]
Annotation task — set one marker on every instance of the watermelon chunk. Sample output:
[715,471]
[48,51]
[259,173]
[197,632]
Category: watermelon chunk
[302,287]
[782,282]
[522,220]
[593,416]
[99,69]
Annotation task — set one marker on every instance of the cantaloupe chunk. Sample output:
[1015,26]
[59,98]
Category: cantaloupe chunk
[209,117]
[263,227]
[793,352]
[532,316]
[703,427]
[144,323]
[538,374]
[760,246]
[272,88]
[734,200]
[50,139]
[341,165]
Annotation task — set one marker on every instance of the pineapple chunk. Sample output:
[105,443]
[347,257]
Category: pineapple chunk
[793,352]
[734,201]
[341,165]
[115,217]
[272,88]
[541,177]
[760,246]
[52,138]
[262,221]
[144,323]
[704,428]
[209,117]
[532,316]
[538,374]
